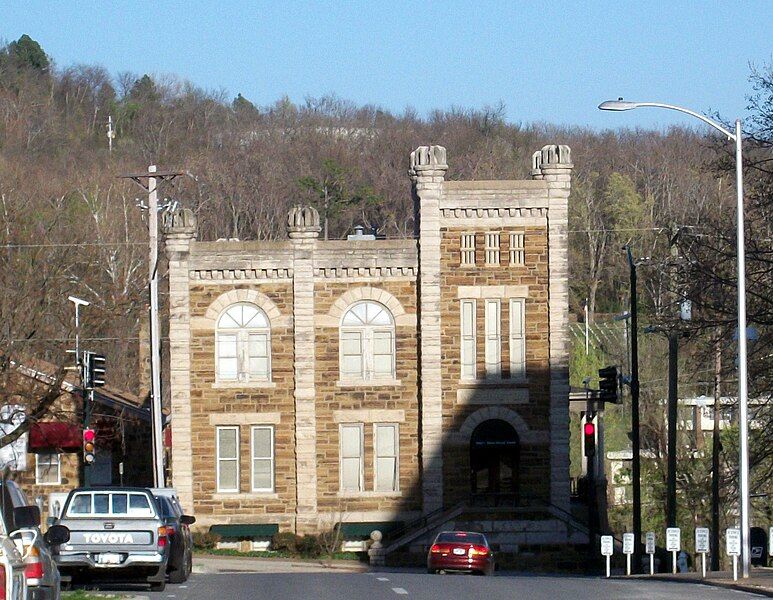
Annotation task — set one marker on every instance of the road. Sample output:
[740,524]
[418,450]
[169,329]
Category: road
[405,585]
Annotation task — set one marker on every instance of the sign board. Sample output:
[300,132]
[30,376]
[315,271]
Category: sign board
[607,545]
[650,542]
[733,540]
[628,543]
[673,539]
[702,539]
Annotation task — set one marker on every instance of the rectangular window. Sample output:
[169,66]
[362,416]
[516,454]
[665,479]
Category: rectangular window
[517,252]
[517,338]
[386,441]
[258,357]
[351,457]
[262,459]
[351,355]
[468,357]
[383,355]
[48,469]
[227,459]
[468,249]
[493,339]
[492,248]
[227,357]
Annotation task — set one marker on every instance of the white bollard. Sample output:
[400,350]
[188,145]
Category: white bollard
[735,567]
[703,560]
[652,564]
[673,562]
[609,570]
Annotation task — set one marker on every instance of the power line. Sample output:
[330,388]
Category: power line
[70,245]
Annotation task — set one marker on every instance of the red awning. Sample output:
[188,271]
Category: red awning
[54,435]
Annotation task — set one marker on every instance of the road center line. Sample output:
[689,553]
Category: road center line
[382,578]
[402,591]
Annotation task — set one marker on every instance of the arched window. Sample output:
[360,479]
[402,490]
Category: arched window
[367,343]
[243,344]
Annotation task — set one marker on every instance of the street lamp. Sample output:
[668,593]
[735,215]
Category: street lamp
[620,105]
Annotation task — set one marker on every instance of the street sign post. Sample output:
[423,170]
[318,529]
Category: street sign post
[673,544]
[702,545]
[607,548]
[650,549]
[733,541]
[628,539]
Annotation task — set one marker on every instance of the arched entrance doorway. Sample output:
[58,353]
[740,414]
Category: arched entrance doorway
[494,456]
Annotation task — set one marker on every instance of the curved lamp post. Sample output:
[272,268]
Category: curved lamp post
[620,105]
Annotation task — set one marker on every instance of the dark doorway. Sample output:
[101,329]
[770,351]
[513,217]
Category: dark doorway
[494,454]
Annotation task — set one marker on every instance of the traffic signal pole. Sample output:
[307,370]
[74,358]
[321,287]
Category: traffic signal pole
[635,440]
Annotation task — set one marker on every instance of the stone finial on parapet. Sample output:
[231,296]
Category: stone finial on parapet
[303,223]
[428,158]
[552,156]
[180,222]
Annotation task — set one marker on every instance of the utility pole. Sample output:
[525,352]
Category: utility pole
[635,439]
[110,133]
[673,393]
[715,448]
[587,326]
[152,177]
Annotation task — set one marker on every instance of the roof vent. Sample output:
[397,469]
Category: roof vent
[360,235]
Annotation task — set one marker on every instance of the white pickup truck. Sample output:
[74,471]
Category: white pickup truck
[117,534]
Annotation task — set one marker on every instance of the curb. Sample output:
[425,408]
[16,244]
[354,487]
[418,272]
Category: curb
[730,585]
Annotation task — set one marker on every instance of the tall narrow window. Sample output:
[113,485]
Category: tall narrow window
[262,459]
[492,248]
[517,338]
[227,459]
[493,339]
[351,457]
[517,252]
[367,343]
[386,442]
[243,344]
[468,249]
[468,358]
[48,468]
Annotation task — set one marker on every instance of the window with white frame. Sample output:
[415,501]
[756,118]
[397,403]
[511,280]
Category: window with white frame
[517,338]
[493,348]
[243,344]
[351,457]
[367,343]
[48,468]
[386,461]
[227,442]
[468,355]
[468,249]
[262,447]
[517,252]
[492,248]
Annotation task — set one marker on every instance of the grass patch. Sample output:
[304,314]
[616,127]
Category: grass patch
[83,595]
[278,554]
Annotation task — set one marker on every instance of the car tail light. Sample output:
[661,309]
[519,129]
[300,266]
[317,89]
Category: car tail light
[163,533]
[476,550]
[440,548]
[33,570]
[2,582]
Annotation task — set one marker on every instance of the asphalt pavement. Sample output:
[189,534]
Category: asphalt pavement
[403,584]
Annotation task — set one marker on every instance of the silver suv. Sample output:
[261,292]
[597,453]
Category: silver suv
[116,535]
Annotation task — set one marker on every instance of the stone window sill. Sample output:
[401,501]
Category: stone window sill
[371,383]
[238,385]
[369,494]
[245,496]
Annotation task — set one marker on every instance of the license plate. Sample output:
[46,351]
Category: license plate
[459,551]
[108,558]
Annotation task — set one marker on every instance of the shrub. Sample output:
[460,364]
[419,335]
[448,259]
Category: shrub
[308,546]
[285,541]
[205,540]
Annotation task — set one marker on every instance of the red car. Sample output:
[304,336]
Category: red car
[461,551]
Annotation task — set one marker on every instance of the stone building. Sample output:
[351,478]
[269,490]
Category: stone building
[369,382]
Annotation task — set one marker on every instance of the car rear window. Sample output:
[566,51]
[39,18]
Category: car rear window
[461,537]
[110,503]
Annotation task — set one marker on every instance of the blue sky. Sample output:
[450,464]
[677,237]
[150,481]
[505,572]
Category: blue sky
[547,61]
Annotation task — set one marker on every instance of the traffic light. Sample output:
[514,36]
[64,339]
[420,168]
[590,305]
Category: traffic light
[93,370]
[589,433]
[608,384]
[89,446]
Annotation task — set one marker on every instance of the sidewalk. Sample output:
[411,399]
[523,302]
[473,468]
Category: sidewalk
[760,580]
[209,563]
